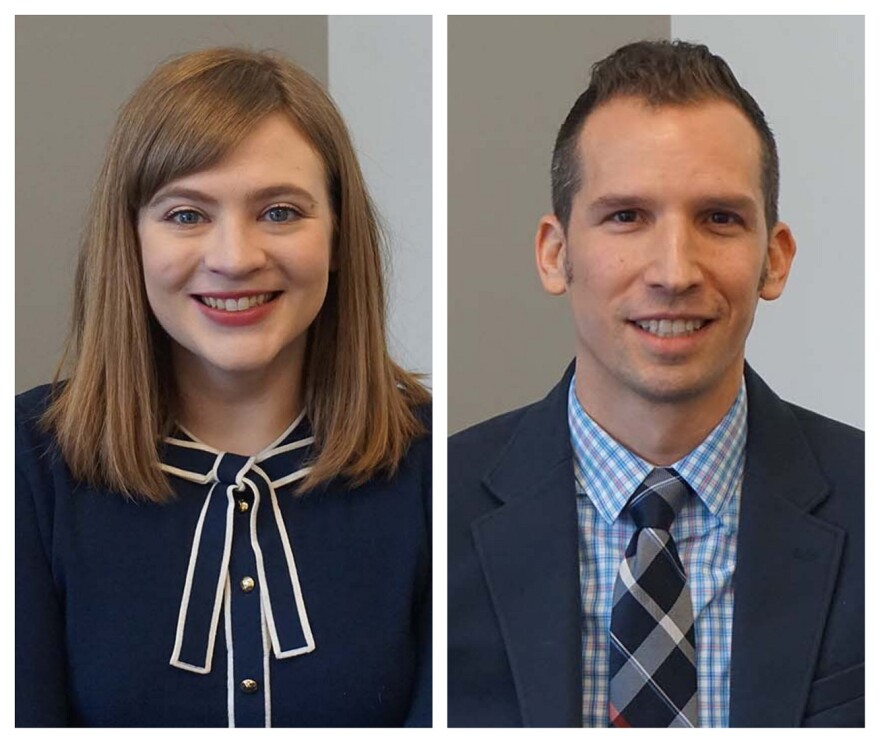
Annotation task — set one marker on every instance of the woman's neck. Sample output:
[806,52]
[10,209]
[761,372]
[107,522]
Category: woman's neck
[240,412]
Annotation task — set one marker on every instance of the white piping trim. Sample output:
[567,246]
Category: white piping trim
[265,600]
[239,476]
[230,657]
[287,432]
[292,477]
[196,439]
[197,443]
[187,588]
[194,444]
[299,444]
[294,579]
[215,467]
[187,475]
[269,451]
[267,699]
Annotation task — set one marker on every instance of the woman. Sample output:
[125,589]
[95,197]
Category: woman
[223,513]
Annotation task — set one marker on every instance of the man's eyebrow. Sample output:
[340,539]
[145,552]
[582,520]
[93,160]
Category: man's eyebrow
[267,192]
[619,201]
[739,202]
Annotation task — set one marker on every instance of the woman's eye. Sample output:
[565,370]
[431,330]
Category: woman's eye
[185,217]
[281,214]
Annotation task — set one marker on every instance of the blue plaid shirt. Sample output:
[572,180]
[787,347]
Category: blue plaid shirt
[705,531]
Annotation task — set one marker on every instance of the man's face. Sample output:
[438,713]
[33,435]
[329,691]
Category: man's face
[667,251]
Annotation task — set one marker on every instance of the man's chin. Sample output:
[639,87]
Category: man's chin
[670,386]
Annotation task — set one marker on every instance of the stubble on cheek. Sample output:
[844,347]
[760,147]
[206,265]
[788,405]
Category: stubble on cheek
[765,270]
[566,268]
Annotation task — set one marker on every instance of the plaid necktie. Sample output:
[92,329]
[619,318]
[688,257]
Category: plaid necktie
[653,662]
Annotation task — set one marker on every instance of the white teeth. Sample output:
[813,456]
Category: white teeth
[669,328]
[236,305]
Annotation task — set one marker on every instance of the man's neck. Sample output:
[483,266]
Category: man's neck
[241,412]
[660,432]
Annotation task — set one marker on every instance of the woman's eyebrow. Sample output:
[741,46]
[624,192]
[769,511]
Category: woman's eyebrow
[266,192]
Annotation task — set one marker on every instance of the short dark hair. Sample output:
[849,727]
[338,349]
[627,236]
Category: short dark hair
[661,73]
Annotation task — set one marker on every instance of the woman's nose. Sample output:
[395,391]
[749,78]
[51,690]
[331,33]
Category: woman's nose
[234,248]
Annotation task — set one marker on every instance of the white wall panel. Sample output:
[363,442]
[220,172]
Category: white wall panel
[807,74]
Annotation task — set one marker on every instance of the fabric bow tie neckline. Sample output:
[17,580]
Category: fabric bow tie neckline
[240,487]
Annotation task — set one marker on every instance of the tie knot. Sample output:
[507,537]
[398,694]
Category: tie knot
[231,468]
[658,499]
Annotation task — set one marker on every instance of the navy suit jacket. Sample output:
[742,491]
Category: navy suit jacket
[514,606]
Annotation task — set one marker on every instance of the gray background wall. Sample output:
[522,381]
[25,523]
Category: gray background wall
[392,132]
[511,82]
[808,74]
[73,74]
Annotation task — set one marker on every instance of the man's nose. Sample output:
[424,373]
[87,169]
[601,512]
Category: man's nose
[674,263]
[234,248]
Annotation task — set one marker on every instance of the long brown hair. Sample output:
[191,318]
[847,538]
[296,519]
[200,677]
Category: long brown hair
[110,416]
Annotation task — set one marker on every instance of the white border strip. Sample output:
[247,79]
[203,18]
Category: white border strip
[230,657]
[187,588]
[292,477]
[267,698]
[291,567]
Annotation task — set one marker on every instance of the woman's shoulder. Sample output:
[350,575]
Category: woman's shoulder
[30,405]
[418,452]
[32,441]
[423,414]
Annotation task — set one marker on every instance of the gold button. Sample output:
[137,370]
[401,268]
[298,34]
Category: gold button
[247,584]
[243,506]
[249,686]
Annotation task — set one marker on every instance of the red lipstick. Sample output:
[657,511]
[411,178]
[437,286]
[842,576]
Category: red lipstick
[236,318]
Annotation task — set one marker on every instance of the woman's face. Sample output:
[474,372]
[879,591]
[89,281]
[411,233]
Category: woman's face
[237,257]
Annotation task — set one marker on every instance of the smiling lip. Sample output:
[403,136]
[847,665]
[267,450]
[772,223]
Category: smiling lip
[234,295]
[668,336]
[239,318]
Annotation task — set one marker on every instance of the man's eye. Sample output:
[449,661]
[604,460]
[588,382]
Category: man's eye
[281,214]
[627,216]
[185,217]
[723,218]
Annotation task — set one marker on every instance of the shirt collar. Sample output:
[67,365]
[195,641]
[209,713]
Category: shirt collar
[608,473]
[185,456]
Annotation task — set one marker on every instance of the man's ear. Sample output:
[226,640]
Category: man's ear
[550,247]
[781,249]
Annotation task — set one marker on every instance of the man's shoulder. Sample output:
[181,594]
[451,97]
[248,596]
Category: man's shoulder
[475,452]
[780,426]
[488,435]
[839,447]
[825,430]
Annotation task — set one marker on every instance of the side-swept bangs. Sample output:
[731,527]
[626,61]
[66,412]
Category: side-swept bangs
[110,416]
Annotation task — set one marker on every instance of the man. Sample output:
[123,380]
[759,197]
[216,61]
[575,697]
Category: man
[738,600]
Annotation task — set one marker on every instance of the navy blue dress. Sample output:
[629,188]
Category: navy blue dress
[238,603]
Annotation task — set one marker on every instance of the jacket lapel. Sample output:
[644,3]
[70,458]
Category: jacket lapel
[787,563]
[528,549]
